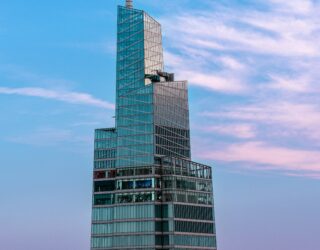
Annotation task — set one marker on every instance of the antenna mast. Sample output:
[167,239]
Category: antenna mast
[129,4]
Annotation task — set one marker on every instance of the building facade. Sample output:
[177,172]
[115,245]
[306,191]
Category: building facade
[147,193]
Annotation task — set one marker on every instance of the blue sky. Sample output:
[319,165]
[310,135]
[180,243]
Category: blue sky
[253,70]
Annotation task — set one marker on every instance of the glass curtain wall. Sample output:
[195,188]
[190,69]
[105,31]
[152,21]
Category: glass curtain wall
[172,119]
[139,52]
[147,193]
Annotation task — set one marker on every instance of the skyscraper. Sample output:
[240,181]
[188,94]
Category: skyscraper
[147,193]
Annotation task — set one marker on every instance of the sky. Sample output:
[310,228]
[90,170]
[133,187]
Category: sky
[253,72]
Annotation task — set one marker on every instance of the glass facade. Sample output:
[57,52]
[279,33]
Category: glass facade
[147,193]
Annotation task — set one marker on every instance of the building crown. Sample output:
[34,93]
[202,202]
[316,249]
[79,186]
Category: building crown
[129,4]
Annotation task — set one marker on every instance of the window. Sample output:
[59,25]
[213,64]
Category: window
[103,199]
[126,172]
[143,197]
[186,184]
[168,197]
[124,198]
[181,197]
[112,173]
[143,184]
[143,171]
[99,175]
[122,241]
[194,227]
[202,241]
[104,186]
[127,184]
[164,211]
[168,182]
[104,154]
[162,240]
[193,212]
[102,214]
[134,212]
[162,226]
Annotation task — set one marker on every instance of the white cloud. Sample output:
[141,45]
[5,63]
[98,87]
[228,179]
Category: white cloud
[65,96]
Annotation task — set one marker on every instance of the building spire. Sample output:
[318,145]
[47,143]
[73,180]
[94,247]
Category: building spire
[129,4]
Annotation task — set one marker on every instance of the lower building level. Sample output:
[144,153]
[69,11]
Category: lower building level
[165,206]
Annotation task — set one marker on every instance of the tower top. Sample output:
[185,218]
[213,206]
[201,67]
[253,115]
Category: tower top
[129,4]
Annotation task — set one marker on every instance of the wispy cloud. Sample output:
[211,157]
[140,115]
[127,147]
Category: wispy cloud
[65,96]
[243,131]
[226,83]
[209,45]
[259,155]
[261,32]
[227,80]
[292,118]
[267,54]
[293,6]
[285,83]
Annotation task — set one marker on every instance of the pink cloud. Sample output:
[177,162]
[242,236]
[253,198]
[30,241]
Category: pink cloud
[221,83]
[205,30]
[289,84]
[209,38]
[243,131]
[259,154]
[300,118]
[293,6]
[228,80]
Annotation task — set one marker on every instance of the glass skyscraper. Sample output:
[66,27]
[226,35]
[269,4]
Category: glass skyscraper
[147,193]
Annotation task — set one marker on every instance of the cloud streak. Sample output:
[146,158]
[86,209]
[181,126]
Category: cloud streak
[303,119]
[242,131]
[210,44]
[259,63]
[65,96]
[260,32]
[267,157]
[227,80]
